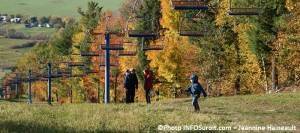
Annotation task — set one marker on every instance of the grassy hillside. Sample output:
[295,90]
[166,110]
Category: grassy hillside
[60,8]
[251,110]
[30,31]
[33,30]
[9,56]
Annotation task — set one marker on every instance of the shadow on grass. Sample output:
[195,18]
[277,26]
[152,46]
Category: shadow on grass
[31,127]
[13,100]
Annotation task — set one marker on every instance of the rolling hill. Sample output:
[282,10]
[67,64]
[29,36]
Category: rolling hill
[61,8]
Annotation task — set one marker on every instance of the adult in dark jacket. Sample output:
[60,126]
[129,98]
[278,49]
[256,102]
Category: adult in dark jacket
[130,84]
[195,89]
[125,84]
[148,85]
[127,73]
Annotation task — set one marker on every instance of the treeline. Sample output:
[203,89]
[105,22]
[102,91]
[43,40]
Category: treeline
[51,21]
[8,32]
[56,21]
[237,55]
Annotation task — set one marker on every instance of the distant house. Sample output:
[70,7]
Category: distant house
[40,25]
[27,25]
[33,25]
[49,25]
[3,18]
[15,20]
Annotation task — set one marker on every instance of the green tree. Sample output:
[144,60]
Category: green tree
[33,20]
[262,38]
[10,32]
[63,42]
[43,20]
[150,10]
[90,17]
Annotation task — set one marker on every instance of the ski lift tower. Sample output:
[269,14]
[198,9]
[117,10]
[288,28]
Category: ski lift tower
[107,46]
[152,33]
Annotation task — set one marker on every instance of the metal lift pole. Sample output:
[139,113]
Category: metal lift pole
[29,87]
[49,83]
[17,86]
[10,92]
[5,91]
[107,64]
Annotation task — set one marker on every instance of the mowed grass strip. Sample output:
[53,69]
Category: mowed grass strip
[251,110]
[61,8]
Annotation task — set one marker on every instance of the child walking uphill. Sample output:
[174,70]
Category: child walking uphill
[195,89]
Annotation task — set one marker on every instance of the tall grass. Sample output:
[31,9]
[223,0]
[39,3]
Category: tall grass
[251,110]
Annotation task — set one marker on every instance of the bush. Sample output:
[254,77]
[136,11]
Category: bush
[2,31]
[10,32]
[18,35]
[25,45]
[40,36]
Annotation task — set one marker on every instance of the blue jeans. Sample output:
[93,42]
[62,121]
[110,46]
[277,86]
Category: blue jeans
[195,102]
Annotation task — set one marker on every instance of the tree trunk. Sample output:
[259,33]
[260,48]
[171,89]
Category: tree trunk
[174,93]
[103,96]
[237,85]
[71,95]
[115,88]
[265,75]
[157,95]
[238,77]
[219,77]
[208,89]
[274,75]
[98,93]
[56,95]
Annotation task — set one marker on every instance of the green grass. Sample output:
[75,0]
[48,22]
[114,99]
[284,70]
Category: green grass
[33,30]
[8,56]
[30,31]
[251,110]
[61,8]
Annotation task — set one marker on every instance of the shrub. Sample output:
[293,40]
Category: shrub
[25,45]
[18,35]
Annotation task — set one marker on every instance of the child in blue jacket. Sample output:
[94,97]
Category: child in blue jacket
[195,89]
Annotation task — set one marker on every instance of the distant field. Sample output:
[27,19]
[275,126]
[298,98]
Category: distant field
[224,113]
[31,31]
[62,8]
[34,30]
[8,56]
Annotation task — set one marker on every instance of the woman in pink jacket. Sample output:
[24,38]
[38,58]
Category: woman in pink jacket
[148,84]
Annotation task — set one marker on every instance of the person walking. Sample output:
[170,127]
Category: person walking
[195,89]
[148,85]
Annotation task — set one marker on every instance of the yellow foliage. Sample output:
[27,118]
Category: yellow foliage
[175,61]
[251,70]
[222,17]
